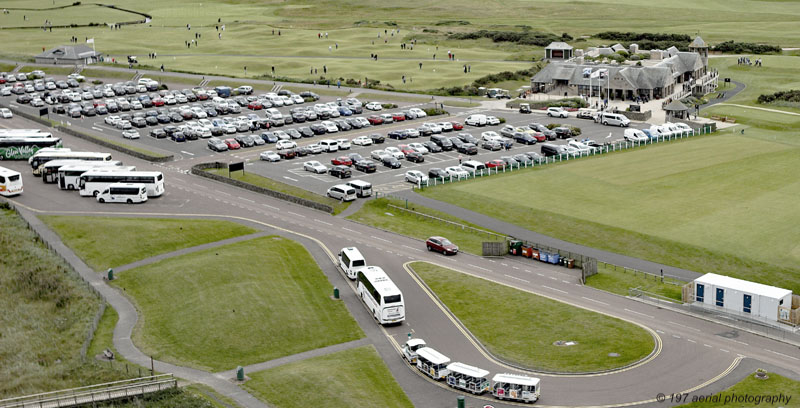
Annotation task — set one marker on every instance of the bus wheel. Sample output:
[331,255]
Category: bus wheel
[95,193]
[130,201]
[102,200]
[70,187]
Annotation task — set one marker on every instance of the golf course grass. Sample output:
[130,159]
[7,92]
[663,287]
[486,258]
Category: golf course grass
[723,203]
[379,214]
[107,242]
[350,378]
[237,304]
[530,324]
[618,280]
[774,386]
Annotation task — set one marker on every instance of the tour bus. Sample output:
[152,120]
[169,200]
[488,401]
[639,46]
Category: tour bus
[123,193]
[49,170]
[10,182]
[92,182]
[24,133]
[40,158]
[20,148]
[380,295]
[432,363]
[468,378]
[515,387]
[363,189]
[351,261]
[69,177]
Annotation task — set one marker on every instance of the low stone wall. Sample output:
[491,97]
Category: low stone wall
[123,149]
[28,116]
[638,116]
[199,170]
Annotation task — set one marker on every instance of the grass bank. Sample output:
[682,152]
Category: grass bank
[107,242]
[773,386]
[350,378]
[237,304]
[618,280]
[536,323]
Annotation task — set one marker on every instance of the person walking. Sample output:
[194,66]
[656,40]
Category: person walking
[459,159]
[420,66]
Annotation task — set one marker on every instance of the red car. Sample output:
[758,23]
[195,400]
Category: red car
[539,136]
[457,126]
[398,117]
[405,149]
[495,163]
[232,144]
[375,120]
[202,96]
[255,105]
[342,161]
[158,102]
[441,244]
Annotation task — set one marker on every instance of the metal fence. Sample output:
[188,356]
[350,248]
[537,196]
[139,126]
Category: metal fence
[664,278]
[478,231]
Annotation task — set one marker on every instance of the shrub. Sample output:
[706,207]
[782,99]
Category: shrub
[389,105]
[576,131]
[97,82]
[746,48]
[784,96]
[552,126]
[435,112]
[501,119]
[523,38]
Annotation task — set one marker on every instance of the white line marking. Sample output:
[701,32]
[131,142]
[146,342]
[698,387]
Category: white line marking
[289,178]
[553,278]
[348,229]
[185,152]
[781,354]
[492,261]
[478,267]
[706,345]
[661,332]
[381,239]
[684,326]
[740,342]
[640,313]
[222,192]
[97,128]
[322,222]
[246,199]
[676,336]
[504,264]
[596,301]
[539,274]
[691,341]
[557,290]
[515,267]
[566,281]
[269,206]
[724,351]
[410,247]
[299,215]
[519,279]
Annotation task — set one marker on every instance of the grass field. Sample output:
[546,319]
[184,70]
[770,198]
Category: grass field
[237,304]
[47,312]
[537,323]
[268,183]
[374,213]
[722,203]
[772,386]
[98,241]
[618,280]
[350,378]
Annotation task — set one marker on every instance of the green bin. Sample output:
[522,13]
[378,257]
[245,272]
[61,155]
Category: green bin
[515,247]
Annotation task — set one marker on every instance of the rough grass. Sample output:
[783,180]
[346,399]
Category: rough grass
[374,213]
[538,322]
[107,242]
[350,378]
[618,280]
[237,304]
[681,204]
[47,312]
[774,386]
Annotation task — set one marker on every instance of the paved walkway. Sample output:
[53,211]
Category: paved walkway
[761,109]
[740,86]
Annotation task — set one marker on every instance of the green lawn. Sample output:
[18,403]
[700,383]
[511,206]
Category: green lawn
[47,312]
[106,242]
[237,304]
[374,213]
[268,183]
[618,280]
[530,324]
[48,70]
[350,378]
[681,204]
[775,385]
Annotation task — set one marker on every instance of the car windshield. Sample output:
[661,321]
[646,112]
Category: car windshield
[446,242]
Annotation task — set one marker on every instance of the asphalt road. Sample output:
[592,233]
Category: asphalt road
[694,353]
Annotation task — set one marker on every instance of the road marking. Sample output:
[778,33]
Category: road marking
[515,267]
[269,206]
[519,279]
[640,313]
[504,264]
[185,152]
[478,267]
[553,278]
[299,215]
[381,239]
[691,341]
[684,326]
[566,281]
[781,354]
[596,301]
[97,128]
[410,247]
[322,222]
[539,274]
[289,178]
[676,336]
[348,229]
[222,192]
[724,351]
[557,290]
[740,342]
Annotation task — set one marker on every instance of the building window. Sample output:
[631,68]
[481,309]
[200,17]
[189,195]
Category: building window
[700,292]
[720,297]
[747,303]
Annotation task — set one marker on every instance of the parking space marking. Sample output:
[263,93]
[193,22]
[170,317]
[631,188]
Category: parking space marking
[519,279]
[640,313]
[348,229]
[322,222]
[185,152]
[381,239]
[222,192]
[740,342]
[97,129]
[595,301]
[289,178]
[691,341]
[557,290]
[707,345]
[296,214]
[566,281]
[676,336]
[724,351]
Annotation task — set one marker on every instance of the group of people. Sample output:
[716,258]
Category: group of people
[746,61]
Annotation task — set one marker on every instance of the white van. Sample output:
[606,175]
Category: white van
[476,120]
[342,192]
[635,135]
[329,145]
[473,166]
[658,131]
[351,261]
[124,193]
[363,189]
[614,119]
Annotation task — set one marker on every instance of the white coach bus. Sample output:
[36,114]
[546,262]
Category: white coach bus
[380,295]
[69,177]
[10,182]
[93,182]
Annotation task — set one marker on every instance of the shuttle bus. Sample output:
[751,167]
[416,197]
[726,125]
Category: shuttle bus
[23,133]
[10,182]
[93,182]
[380,295]
[49,171]
[38,159]
[20,148]
[69,176]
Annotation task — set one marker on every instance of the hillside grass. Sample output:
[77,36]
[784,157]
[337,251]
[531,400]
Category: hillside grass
[773,386]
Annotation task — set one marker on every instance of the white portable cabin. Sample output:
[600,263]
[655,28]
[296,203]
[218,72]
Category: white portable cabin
[468,378]
[432,363]
[742,297]
[515,387]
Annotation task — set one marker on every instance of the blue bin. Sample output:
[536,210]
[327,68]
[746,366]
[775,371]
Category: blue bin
[553,259]
[543,256]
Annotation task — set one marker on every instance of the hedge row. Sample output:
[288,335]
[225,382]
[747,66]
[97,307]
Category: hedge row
[783,96]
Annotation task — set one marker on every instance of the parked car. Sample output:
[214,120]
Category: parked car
[367,166]
[416,177]
[441,244]
[563,132]
[342,161]
[315,167]
[377,138]
[342,192]
[457,172]
[269,155]
[285,144]
[373,106]
[362,141]
[340,172]
[391,162]
[437,173]
[557,112]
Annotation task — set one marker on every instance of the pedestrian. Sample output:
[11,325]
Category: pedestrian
[329,48]
[273,31]
[434,57]
[219,20]
[459,159]
[420,66]
[162,67]
[326,35]
[245,70]
[324,69]
[315,71]
[279,33]
[404,79]
[469,68]
[219,35]
[337,46]
[465,69]
[217,27]
[319,35]
[273,70]
[312,71]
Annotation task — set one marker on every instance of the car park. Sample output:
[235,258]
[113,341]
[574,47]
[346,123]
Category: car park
[315,167]
[284,144]
[340,172]
[342,161]
[416,177]
[391,162]
[367,166]
[362,141]
[442,245]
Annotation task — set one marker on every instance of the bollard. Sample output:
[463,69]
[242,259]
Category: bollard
[461,403]
[409,335]
[110,274]
[335,292]
[239,373]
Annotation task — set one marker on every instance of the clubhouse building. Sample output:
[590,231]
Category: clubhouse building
[671,74]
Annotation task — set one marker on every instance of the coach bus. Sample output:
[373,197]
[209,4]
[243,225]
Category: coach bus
[23,133]
[10,182]
[380,295]
[20,148]
[69,176]
[38,159]
[49,170]
[93,182]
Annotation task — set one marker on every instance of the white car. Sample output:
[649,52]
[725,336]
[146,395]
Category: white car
[297,99]
[362,141]
[489,135]
[363,121]
[111,120]
[269,155]
[635,135]
[412,133]
[379,154]
[281,135]
[557,112]
[457,172]
[419,147]
[416,177]
[658,131]
[285,144]
[395,152]
[315,167]
[373,106]
[330,127]
[123,124]
[492,121]
[419,113]
[344,144]
[130,134]
[315,148]
[432,127]
[6,113]
[582,148]
[387,118]
[446,126]
[684,128]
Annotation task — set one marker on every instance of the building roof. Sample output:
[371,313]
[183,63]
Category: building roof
[433,356]
[676,106]
[698,43]
[621,76]
[69,52]
[558,45]
[743,286]
[681,62]
[469,370]
[515,379]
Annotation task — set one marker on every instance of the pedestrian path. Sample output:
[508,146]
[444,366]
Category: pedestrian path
[761,109]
